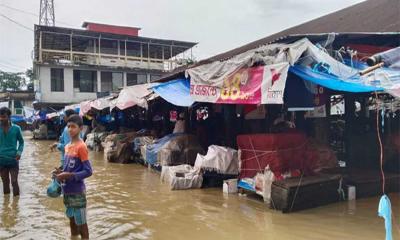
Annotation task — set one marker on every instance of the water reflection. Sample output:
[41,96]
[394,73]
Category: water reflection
[9,212]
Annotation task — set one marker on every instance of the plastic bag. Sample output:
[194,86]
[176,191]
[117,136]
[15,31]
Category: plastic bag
[54,189]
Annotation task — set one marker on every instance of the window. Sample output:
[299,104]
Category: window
[142,78]
[131,79]
[154,77]
[134,78]
[85,81]
[57,79]
[111,81]
[132,49]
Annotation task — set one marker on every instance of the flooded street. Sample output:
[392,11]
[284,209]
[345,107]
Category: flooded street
[130,202]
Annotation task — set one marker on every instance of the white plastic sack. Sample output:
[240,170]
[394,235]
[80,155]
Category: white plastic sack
[181,177]
[221,159]
[90,140]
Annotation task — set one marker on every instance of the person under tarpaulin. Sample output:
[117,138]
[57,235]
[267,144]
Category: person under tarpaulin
[180,124]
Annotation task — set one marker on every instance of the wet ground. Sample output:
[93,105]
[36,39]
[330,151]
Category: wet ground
[130,202]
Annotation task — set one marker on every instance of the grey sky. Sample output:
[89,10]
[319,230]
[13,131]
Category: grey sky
[218,25]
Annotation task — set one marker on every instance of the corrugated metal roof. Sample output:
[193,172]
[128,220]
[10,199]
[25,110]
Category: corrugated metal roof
[371,16]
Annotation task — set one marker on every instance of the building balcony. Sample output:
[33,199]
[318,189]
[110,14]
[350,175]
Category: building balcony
[65,46]
[58,57]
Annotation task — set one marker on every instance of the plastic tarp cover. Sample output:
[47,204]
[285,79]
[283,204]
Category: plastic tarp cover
[4,104]
[52,115]
[354,84]
[153,149]
[220,159]
[282,152]
[85,107]
[100,104]
[17,118]
[176,92]
[224,81]
[134,95]
[181,177]
[141,141]
[75,107]
[182,149]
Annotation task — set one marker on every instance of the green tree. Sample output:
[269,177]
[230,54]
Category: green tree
[30,75]
[12,81]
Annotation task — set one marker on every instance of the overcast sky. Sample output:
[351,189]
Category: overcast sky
[217,25]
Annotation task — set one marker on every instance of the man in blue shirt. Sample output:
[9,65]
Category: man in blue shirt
[11,147]
[64,138]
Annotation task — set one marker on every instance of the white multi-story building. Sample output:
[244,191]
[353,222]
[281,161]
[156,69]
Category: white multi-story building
[73,65]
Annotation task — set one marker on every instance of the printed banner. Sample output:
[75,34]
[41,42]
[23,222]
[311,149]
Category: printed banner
[255,85]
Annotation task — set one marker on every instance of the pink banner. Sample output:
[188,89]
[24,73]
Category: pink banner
[243,87]
[254,85]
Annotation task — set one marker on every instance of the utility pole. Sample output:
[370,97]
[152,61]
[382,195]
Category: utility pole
[47,16]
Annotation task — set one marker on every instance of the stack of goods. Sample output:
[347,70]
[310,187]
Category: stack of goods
[219,164]
[117,147]
[181,177]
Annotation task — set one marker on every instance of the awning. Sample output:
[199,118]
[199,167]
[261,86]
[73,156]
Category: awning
[75,107]
[354,84]
[52,115]
[17,119]
[84,107]
[176,92]
[100,104]
[134,95]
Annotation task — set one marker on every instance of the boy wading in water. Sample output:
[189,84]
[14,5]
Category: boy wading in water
[64,138]
[75,169]
[10,152]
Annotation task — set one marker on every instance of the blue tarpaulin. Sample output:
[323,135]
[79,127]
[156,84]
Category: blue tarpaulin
[17,119]
[153,149]
[353,84]
[176,92]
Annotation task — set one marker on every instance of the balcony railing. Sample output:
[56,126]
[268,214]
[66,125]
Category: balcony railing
[87,58]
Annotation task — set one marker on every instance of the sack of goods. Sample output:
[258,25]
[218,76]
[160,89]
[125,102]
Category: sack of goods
[181,177]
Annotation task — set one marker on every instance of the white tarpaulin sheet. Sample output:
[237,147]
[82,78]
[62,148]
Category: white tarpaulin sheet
[72,107]
[101,103]
[181,177]
[84,107]
[220,159]
[3,104]
[237,81]
[134,95]
[257,76]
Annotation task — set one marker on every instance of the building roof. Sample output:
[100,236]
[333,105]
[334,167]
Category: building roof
[371,16]
[107,28]
[365,17]
[85,24]
[93,34]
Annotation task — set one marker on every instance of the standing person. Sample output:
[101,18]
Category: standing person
[11,147]
[75,169]
[64,138]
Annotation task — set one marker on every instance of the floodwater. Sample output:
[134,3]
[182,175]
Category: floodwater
[130,202]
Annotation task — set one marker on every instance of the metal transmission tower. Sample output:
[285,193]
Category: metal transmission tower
[47,16]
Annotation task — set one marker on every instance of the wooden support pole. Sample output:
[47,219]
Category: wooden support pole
[40,47]
[99,56]
[70,48]
[126,59]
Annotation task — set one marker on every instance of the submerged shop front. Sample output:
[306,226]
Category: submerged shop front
[309,112]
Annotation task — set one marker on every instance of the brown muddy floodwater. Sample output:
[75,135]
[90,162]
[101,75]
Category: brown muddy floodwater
[130,202]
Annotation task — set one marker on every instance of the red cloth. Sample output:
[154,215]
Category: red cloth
[289,152]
